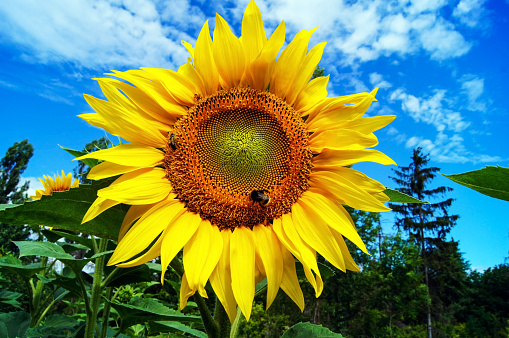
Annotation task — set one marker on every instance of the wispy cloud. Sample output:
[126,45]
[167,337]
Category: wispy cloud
[34,184]
[473,87]
[469,12]
[431,109]
[377,80]
[100,33]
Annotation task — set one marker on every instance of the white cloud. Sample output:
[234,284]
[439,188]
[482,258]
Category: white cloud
[473,87]
[115,33]
[377,80]
[449,149]
[34,184]
[431,110]
[469,12]
[92,34]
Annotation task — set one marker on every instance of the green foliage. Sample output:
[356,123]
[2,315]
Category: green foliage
[84,166]
[491,181]
[65,210]
[308,330]
[12,165]
[399,197]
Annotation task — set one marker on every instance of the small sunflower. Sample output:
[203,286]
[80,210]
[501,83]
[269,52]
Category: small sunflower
[55,183]
[239,159]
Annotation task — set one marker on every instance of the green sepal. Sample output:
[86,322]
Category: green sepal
[399,197]
[91,162]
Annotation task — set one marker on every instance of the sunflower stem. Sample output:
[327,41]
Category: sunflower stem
[211,327]
[221,318]
[95,297]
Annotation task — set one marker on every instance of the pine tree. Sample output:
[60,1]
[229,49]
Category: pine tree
[426,223]
[11,167]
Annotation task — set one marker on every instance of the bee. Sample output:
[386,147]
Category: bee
[172,142]
[260,196]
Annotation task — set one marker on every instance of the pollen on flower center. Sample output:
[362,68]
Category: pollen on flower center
[232,143]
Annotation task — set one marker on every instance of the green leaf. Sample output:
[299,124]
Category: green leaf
[65,210]
[141,310]
[13,265]
[69,284]
[490,181]
[175,327]
[308,330]
[10,298]
[15,324]
[399,197]
[7,206]
[76,153]
[37,248]
[124,276]
[71,236]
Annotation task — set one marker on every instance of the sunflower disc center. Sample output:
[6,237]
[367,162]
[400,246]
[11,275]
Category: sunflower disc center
[232,143]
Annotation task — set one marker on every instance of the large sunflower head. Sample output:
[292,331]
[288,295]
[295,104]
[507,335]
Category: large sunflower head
[240,159]
[55,183]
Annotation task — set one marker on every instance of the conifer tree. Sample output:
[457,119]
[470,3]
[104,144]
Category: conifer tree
[11,167]
[426,223]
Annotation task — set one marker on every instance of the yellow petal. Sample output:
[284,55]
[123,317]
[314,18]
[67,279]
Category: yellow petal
[189,48]
[267,246]
[221,279]
[349,262]
[180,88]
[204,60]
[185,292]
[96,120]
[205,247]
[152,253]
[287,234]
[128,154]
[284,74]
[143,101]
[134,213]
[176,235]
[126,124]
[305,72]
[346,191]
[315,231]
[361,180]
[365,125]
[143,186]
[258,73]
[253,33]
[107,169]
[100,205]
[341,139]
[343,158]
[145,82]
[314,92]
[228,54]
[146,230]
[189,72]
[242,260]
[290,282]
[333,216]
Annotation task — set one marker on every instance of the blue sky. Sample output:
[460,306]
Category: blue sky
[441,67]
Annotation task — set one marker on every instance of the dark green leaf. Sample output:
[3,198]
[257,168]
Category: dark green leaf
[141,310]
[7,206]
[58,320]
[16,323]
[399,197]
[164,326]
[65,210]
[70,284]
[69,248]
[308,330]
[136,274]
[490,181]
[71,236]
[45,249]
[76,153]
[10,298]
[13,265]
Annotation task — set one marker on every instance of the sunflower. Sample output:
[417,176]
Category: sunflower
[239,159]
[57,183]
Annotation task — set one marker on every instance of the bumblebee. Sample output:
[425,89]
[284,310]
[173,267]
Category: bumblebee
[260,196]
[172,142]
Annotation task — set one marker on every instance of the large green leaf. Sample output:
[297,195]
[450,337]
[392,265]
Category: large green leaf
[45,249]
[399,197]
[124,276]
[175,327]
[65,210]
[10,298]
[13,265]
[308,330]
[490,181]
[15,324]
[141,310]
